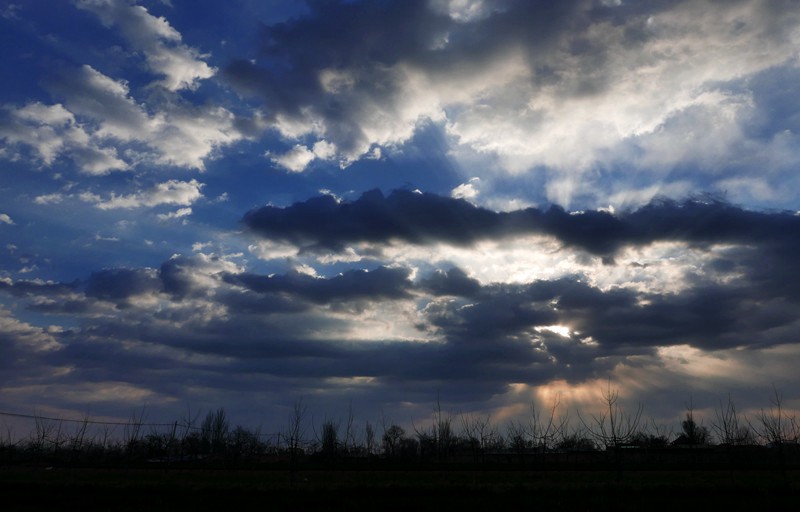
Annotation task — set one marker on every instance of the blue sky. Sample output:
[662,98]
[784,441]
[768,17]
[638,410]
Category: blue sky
[243,203]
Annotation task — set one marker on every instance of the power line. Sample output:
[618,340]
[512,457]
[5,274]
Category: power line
[131,423]
[95,422]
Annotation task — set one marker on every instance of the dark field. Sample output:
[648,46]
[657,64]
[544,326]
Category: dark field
[224,490]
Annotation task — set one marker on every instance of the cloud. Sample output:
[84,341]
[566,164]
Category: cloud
[170,192]
[371,218]
[182,66]
[299,157]
[20,339]
[576,90]
[102,128]
[176,134]
[453,282]
[381,283]
[296,159]
[466,190]
[442,326]
[52,130]
[323,222]
[121,283]
[177,214]
[548,258]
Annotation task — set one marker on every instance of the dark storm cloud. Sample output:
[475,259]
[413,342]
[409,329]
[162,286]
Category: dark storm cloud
[371,35]
[121,283]
[340,34]
[451,282]
[324,223]
[405,215]
[176,275]
[618,321]
[381,283]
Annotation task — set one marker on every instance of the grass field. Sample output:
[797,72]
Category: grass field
[143,489]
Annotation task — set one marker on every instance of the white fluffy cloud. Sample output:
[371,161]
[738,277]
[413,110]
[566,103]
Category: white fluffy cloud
[52,130]
[469,190]
[182,66]
[99,116]
[5,219]
[299,157]
[177,135]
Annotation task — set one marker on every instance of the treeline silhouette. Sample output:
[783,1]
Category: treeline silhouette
[613,438]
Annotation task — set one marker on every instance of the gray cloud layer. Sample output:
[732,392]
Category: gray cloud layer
[207,317]
[428,218]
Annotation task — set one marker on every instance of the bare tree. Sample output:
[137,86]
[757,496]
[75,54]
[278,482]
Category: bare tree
[729,429]
[46,433]
[546,429]
[188,434]
[294,432]
[79,436]
[330,439]
[349,440]
[392,440]
[479,433]
[214,430]
[613,427]
[777,428]
[440,438]
[517,438]
[369,439]
[132,431]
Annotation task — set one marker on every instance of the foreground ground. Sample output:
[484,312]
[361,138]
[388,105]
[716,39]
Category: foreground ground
[159,489]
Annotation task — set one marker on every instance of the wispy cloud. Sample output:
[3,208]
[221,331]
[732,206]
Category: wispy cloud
[170,192]
[182,66]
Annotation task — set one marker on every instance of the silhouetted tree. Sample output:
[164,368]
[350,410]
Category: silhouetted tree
[693,434]
[369,439]
[479,433]
[777,428]
[517,438]
[245,444]
[214,431]
[330,439]
[440,439]
[392,438]
[729,428]
[295,430]
[613,427]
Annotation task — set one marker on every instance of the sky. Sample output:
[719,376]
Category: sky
[380,206]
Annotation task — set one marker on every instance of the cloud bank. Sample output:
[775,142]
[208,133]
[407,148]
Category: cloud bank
[205,314]
[580,91]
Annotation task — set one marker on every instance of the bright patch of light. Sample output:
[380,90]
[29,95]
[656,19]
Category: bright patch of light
[350,381]
[561,330]
[370,321]
[694,362]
